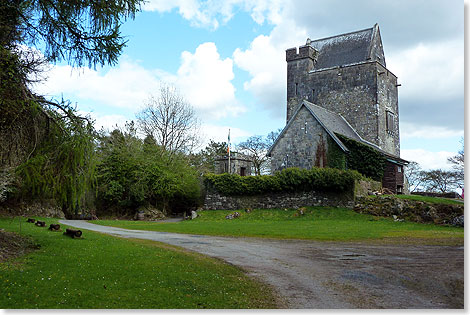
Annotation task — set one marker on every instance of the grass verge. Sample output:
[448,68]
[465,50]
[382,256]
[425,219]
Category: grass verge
[318,223]
[100,271]
[430,199]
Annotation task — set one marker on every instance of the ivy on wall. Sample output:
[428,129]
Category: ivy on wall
[364,159]
[335,155]
[287,180]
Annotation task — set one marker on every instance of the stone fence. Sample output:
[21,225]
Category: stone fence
[411,210]
[215,200]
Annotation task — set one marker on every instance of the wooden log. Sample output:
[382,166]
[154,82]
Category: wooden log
[73,233]
[40,223]
[31,220]
[54,227]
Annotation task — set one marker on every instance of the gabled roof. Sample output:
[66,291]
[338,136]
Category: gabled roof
[326,119]
[349,48]
[334,124]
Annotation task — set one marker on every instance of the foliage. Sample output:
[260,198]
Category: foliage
[105,272]
[63,167]
[364,159]
[290,179]
[132,172]
[336,158]
[75,31]
[317,223]
[170,120]
[204,160]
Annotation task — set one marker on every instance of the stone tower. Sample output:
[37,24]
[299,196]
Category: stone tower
[347,74]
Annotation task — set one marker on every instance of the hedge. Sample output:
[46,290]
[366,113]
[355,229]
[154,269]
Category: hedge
[290,179]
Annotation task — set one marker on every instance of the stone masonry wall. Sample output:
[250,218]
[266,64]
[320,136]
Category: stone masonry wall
[299,145]
[215,200]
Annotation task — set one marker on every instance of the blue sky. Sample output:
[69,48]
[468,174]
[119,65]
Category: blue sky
[228,59]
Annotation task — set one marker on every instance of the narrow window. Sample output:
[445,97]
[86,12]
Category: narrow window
[390,121]
[313,94]
[296,89]
[305,127]
[400,168]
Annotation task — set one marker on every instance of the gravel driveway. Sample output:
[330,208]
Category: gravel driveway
[331,275]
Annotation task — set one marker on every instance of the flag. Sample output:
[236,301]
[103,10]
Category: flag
[228,143]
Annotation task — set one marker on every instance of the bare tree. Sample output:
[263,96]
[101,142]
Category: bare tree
[256,148]
[458,164]
[439,180]
[414,176]
[170,120]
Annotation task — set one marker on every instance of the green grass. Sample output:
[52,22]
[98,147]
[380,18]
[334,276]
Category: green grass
[100,271]
[430,199]
[318,223]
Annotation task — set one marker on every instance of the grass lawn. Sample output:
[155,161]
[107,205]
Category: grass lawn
[430,199]
[318,223]
[99,271]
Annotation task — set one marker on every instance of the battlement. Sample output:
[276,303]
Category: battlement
[301,52]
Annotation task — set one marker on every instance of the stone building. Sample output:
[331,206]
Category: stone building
[239,164]
[340,85]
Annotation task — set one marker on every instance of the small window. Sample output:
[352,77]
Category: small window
[400,169]
[296,89]
[313,94]
[390,121]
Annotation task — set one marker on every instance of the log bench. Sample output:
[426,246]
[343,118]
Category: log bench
[54,227]
[40,223]
[73,233]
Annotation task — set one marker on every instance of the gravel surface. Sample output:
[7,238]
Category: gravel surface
[332,275]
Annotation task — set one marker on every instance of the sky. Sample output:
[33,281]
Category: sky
[227,58]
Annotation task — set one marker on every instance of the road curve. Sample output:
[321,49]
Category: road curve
[331,275]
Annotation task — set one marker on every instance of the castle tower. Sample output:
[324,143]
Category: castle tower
[347,74]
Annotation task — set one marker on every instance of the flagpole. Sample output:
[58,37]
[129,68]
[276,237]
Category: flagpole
[229,166]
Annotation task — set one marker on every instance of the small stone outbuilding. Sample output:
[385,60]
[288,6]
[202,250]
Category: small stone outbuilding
[239,164]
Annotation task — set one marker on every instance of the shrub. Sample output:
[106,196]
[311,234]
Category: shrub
[291,179]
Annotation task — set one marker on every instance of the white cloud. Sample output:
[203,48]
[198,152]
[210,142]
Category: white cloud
[126,86]
[264,60]
[430,71]
[214,12]
[428,160]
[408,131]
[205,80]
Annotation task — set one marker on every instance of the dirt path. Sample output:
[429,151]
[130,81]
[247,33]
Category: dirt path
[326,275]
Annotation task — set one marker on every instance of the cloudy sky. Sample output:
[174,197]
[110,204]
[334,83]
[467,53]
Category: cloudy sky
[228,59]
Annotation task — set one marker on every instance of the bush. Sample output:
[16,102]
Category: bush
[291,179]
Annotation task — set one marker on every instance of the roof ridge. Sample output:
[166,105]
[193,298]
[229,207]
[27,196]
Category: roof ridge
[349,33]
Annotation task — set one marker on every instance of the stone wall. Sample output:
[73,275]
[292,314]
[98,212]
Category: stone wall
[303,145]
[43,208]
[214,200]
[410,210]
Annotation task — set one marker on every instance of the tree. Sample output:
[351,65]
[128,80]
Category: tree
[133,172]
[439,180]
[414,176]
[75,31]
[170,120]
[204,160]
[458,164]
[255,147]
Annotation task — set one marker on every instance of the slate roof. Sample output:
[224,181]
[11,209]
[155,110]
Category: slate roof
[344,49]
[334,124]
